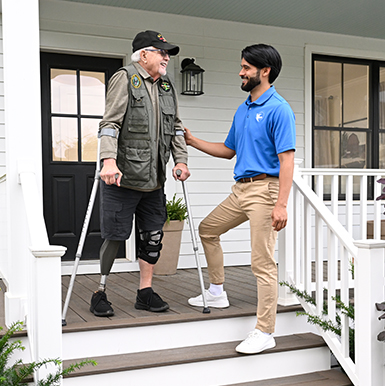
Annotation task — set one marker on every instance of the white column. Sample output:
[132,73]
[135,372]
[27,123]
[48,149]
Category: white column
[20,22]
[369,289]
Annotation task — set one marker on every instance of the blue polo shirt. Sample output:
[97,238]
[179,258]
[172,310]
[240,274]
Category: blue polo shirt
[260,131]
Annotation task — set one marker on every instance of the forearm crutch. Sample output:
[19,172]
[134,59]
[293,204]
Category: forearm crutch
[83,234]
[206,309]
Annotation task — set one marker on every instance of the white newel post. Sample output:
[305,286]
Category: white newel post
[44,318]
[22,111]
[369,289]
[286,251]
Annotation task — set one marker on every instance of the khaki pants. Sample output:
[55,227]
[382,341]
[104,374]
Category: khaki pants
[253,201]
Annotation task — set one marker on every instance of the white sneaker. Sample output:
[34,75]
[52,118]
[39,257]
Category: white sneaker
[219,301]
[256,342]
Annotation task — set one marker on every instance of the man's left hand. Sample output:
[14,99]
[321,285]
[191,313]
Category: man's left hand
[279,217]
[184,169]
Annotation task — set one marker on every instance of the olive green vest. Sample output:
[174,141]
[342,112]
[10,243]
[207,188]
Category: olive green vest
[141,158]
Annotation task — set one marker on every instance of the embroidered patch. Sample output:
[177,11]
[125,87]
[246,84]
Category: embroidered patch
[135,81]
[165,86]
[160,37]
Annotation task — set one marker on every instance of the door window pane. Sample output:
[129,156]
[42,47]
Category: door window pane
[89,139]
[327,98]
[64,139]
[353,150]
[63,91]
[327,149]
[356,86]
[92,93]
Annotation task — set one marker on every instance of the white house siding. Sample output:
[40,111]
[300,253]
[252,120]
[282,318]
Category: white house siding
[3,235]
[216,45]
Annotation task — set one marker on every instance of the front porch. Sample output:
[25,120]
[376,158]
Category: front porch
[181,342]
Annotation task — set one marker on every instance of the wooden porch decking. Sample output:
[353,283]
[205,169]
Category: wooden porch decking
[175,289]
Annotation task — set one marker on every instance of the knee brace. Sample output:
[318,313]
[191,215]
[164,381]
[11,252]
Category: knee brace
[150,245]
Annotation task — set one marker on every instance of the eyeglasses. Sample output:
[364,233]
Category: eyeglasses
[164,53]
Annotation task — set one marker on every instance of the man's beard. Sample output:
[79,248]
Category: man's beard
[251,83]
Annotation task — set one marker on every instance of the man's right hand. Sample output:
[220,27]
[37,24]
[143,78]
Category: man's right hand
[110,173]
[188,137]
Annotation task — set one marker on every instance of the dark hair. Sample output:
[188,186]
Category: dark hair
[261,56]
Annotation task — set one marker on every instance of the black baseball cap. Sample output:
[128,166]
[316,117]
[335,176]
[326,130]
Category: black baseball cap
[153,39]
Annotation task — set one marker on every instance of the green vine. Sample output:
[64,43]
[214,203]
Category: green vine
[19,373]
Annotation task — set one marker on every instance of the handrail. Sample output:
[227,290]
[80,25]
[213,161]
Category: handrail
[339,249]
[341,172]
[328,217]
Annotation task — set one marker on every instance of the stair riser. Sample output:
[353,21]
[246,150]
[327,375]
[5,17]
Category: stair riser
[217,372]
[166,336]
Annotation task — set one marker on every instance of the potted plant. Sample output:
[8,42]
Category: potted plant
[172,236]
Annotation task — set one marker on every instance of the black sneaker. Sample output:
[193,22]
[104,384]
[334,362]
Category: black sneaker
[148,300]
[100,306]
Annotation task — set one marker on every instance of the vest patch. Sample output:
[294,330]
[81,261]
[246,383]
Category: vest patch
[135,81]
[165,86]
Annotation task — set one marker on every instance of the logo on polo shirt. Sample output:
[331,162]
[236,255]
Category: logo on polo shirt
[259,117]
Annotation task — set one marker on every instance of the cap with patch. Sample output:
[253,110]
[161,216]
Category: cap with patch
[154,39]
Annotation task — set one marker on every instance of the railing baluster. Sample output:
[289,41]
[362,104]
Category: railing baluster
[319,250]
[363,206]
[377,210]
[344,296]
[307,228]
[297,236]
[349,203]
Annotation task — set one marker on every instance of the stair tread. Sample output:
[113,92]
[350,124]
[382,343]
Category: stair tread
[319,378]
[177,356]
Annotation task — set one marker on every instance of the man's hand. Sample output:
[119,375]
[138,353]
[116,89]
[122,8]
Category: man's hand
[279,217]
[110,173]
[188,137]
[184,169]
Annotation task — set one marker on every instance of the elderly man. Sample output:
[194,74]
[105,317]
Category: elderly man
[139,129]
[262,137]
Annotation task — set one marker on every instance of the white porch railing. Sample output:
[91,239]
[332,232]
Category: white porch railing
[43,315]
[320,236]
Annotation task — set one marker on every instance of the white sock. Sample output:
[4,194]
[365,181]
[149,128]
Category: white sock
[216,289]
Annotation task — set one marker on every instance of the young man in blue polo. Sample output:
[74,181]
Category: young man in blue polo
[262,136]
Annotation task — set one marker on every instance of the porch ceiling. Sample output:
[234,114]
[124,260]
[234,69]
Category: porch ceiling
[349,17]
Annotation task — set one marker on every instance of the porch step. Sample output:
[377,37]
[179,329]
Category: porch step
[206,365]
[319,378]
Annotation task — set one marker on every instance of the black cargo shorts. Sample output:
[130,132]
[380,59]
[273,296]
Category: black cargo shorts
[118,206]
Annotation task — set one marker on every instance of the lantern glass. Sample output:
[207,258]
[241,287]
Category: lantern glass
[192,79]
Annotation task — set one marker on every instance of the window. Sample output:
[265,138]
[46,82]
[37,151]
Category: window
[77,105]
[348,113]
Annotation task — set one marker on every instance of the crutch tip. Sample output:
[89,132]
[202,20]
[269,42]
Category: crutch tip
[63,322]
[206,310]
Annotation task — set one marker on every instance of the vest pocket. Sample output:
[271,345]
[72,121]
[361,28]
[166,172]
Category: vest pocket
[137,119]
[137,164]
[168,116]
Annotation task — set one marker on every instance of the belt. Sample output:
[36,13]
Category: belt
[255,178]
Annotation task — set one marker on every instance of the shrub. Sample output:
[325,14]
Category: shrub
[20,373]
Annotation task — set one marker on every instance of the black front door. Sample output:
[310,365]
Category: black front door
[73,98]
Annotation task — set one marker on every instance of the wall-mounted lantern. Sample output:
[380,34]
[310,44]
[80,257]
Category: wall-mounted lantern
[192,77]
